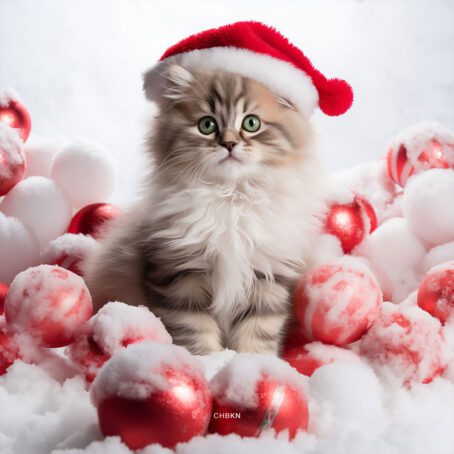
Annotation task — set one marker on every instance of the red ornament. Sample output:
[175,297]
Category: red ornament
[16,115]
[49,303]
[337,302]
[3,292]
[91,219]
[436,292]
[408,342]
[96,342]
[351,222]
[9,351]
[308,358]
[294,338]
[155,402]
[418,148]
[12,159]
[278,405]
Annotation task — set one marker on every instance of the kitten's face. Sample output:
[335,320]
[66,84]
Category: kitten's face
[225,126]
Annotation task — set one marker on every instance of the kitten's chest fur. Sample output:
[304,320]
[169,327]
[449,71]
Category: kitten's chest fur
[235,234]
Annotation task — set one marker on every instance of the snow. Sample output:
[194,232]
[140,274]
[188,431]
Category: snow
[39,152]
[11,150]
[430,196]
[41,205]
[7,95]
[438,255]
[86,171]
[19,248]
[136,371]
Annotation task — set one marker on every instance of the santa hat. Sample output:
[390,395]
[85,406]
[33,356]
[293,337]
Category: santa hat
[259,52]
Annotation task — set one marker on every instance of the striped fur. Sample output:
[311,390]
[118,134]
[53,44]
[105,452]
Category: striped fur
[215,245]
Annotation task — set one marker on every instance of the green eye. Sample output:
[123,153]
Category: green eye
[251,123]
[207,125]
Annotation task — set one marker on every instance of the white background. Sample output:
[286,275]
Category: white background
[78,65]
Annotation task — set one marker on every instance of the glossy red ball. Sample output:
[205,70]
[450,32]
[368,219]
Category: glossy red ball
[3,292]
[91,219]
[167,417]
[16,115]
[279,406]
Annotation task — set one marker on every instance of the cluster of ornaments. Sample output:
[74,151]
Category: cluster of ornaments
[383,288]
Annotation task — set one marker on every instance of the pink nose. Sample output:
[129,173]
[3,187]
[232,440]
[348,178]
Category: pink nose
[228,145]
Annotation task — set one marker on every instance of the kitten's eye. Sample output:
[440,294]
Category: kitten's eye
[207,125]
[251,123]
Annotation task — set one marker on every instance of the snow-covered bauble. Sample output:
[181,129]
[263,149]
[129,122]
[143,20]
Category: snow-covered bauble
[350,222]
[408,342]
[420,147]
[255,393]
[436,292]
[115,326]
[152,393]
[92,219]
[9,351]
[12,159]
[3,292]
[15,114]
[337,302]
[48,303]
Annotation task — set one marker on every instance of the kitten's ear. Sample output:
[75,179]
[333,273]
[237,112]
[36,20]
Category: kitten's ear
[167,82]
[285,102]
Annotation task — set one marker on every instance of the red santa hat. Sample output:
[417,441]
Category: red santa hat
[259,52]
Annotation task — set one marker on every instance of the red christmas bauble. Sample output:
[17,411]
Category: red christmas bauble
[351,222]
[9,351]
[294,338]
[152,393]
[97,341]
[16,115]
[91,219]
[3,292]
[408,342]
[49,303]
[12,159]
[436,292]
[308,358]
[278,405]
[337,302]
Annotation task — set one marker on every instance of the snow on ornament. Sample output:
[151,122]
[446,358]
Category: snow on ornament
[407,342]
[86,171]
[113,328]
[49,303]
[19,248]
[14,114]
[418,148]
[152,393]
[337,302]
[69,251]
[93,219]
[12,159]
[256,393]
[428,203]
[436,292]
[350,221]
[306,359]
[41,205]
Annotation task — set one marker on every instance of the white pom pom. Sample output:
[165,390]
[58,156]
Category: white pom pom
[19,248]
[39,152]
[428,205]
[86,172]
[41,205]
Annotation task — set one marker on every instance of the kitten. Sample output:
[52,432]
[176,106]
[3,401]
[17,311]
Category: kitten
[226,220]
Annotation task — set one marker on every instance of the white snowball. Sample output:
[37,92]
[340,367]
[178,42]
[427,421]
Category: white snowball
[438,255]
[39,152]
[428,205]
[397,253]
[86,171]
[19,248]
[351,389]
[41,205]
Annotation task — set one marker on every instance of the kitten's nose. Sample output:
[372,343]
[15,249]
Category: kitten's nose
[229,145]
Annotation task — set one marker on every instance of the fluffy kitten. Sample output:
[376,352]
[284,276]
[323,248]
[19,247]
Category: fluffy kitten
[226,221]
